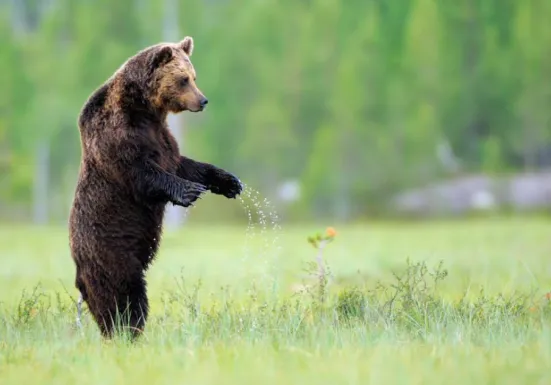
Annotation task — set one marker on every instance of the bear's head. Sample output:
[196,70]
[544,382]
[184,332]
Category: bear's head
[162,77]
[174,77]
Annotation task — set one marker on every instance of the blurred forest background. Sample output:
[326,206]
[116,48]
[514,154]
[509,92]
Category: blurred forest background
[340,109]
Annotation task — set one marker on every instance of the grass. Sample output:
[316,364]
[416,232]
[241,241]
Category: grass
[406,303]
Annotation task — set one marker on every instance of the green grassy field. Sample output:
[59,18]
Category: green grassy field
[226,308]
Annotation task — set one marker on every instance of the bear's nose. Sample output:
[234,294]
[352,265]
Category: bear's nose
[204,102]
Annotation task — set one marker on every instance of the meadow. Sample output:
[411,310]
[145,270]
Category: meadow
[404,303]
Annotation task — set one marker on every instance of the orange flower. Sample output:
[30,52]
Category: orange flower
[548,296]
[331,232]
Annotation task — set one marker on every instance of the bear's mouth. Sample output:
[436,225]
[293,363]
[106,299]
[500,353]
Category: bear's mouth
[198,108]
[181,106]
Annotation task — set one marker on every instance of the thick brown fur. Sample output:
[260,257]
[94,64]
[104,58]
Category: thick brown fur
[130,169]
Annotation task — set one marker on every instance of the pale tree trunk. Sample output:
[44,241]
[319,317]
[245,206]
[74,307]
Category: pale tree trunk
[175,215]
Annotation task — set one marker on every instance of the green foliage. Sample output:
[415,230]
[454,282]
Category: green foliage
[352,100]
[411,304]
[384,319]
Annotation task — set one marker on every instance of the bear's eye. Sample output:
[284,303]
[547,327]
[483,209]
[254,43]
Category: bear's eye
[184,81]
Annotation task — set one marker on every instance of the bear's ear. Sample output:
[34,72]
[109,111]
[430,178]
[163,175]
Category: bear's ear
[187,45]
[161,57]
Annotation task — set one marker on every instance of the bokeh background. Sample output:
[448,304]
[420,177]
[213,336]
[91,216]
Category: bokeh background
[329,109]
[418,132]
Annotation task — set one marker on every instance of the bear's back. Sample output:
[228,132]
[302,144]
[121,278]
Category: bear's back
[106,201]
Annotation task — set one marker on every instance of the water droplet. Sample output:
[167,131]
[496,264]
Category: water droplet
[269,232]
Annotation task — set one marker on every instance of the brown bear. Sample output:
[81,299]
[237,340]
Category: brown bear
[130,169]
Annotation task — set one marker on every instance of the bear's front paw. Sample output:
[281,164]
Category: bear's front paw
[191,192]
[227,184]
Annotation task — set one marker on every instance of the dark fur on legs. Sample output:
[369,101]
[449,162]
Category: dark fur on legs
[118,306]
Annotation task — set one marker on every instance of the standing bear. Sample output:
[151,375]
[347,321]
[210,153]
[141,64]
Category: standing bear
[130,169]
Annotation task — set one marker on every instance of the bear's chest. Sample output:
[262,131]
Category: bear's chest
[166,152]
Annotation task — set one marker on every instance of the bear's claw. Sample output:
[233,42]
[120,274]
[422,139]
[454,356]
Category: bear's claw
[227,185]
[191,194]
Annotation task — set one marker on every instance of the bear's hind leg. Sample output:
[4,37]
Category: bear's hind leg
[121,305]
[136,306]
